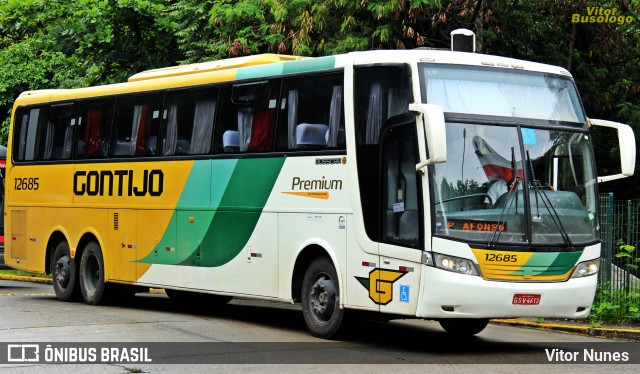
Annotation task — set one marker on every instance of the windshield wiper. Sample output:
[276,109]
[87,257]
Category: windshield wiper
[511,197]
[512,188]
[555,217]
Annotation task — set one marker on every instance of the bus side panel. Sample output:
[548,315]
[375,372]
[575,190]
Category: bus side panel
[297,231]
[157,246]
[359,267]
[27,226]
[205,261]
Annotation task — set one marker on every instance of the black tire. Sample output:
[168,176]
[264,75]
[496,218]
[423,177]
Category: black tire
[64,273]
[191,299]
[321,300]
[464,326]
[91,278]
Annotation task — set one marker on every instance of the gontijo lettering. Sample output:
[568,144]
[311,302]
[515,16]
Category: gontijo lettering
[118,183]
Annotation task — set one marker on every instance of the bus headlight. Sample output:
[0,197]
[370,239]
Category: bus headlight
[455,264]
[587,268]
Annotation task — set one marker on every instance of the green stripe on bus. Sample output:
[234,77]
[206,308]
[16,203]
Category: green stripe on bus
[312,64]
[259,71]
[195,190]
[240,208]
[289,67]
[549,263]
[217,234]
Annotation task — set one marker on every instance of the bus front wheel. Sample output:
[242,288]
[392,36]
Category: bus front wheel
[464,326]
[321,299]
[64,273]
[91,278]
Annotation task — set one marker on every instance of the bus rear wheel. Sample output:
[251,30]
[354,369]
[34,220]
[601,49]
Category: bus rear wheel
[321,299]
[464,326]
[91,278]
[64,273]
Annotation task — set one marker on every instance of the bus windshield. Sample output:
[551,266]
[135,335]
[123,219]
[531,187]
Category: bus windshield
[493,185]
[501,92]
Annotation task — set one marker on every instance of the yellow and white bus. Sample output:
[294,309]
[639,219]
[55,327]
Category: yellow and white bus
[438,185]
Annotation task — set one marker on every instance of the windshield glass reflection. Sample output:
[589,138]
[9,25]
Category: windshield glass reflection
[489,191]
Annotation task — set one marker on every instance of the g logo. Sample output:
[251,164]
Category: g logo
[380,284]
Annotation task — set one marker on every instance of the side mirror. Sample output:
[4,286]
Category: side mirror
[627,142]
[431,119]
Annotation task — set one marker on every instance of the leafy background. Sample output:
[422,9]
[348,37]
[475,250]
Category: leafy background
[76,43]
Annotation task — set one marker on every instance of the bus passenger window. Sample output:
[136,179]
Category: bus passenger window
[93,128]
[57,135]
[136,126]
[188,117]
[247,118]
[382,92]
[27,121]
[312,115]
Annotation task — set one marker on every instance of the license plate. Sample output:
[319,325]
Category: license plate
[526,299]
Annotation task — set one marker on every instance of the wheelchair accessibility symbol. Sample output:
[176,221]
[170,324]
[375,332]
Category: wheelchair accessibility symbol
[404,293]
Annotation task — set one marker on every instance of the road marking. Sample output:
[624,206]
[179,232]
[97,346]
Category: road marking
[27,294]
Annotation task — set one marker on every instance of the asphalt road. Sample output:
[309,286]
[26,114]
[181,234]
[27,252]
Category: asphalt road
[260,336]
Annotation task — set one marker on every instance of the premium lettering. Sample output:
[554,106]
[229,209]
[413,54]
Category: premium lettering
[315,184]
[118,183]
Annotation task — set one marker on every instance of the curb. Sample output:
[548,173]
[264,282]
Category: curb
[21,278]
[604,332]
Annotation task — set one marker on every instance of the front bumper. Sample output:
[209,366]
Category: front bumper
[449,295]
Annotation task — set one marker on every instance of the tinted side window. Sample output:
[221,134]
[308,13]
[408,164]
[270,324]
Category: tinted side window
[381,93]
[27,124]
[188,117]
[93,128]
[57,132]
[247,117]
[312,113]
[136,126]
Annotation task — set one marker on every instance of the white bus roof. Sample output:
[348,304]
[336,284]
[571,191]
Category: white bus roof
[455,58]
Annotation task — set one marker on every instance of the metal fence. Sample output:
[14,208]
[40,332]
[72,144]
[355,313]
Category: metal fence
[619,275]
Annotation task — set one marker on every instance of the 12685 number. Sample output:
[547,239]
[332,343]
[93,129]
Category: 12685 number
[492,257]
[26,184]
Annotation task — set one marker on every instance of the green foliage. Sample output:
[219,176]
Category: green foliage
[74,43]
[228,28]
[25,66]
[626,251]
[23,273]
[615,306]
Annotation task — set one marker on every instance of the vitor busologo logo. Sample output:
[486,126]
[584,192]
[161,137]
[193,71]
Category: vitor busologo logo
[597,14]
[380,284]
